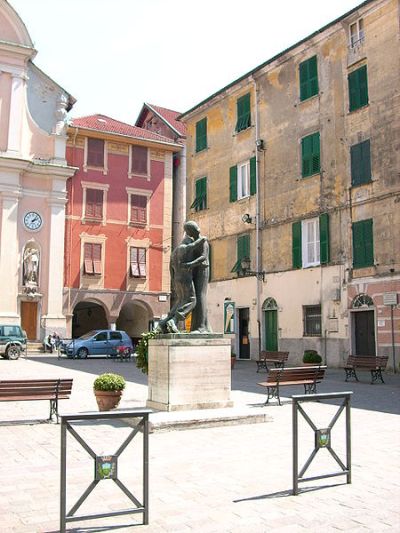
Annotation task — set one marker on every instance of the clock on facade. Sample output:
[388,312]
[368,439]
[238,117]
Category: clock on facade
[32,220]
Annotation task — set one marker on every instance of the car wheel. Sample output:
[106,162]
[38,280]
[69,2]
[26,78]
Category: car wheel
[13,352]
[82,353]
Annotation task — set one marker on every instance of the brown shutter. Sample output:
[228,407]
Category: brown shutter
[98,206]
[88,262]
[97,258]
[94,203]
[134,263]
[95,155]
[142,262]
[139,160]
[138,209]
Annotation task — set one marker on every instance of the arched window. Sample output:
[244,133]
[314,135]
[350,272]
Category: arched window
[362,300]
[269,304]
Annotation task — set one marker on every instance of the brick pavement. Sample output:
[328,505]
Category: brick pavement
[223,479]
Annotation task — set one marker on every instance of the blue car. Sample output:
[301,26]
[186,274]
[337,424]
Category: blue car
[97,342]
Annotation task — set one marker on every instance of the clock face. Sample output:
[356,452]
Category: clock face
[33,220]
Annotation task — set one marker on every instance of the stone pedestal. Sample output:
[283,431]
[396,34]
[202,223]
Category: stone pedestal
[189,372]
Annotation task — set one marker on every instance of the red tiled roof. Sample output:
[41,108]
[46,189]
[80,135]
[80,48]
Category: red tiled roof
[109,125]
[170,116]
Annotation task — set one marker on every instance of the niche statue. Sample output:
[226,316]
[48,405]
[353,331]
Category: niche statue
[190,269]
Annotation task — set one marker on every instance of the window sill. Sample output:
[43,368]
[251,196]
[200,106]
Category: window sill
[358,109]
[357,185]
[104,170]
[312,335]
[138,224]
[309,99]
[198,152]
[89,220]
[311,175]
[140,176]
[242,131]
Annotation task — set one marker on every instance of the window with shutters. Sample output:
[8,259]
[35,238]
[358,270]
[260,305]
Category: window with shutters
[95,153]
[243,113]
[242,180]
[358,88]
[310,242]
[92,259]
[357,33]
[312,320]
[308,75]
[138,262]
[242,252]
[363,244]
[360,156]
[139,160]
[201,135]
[200,201]
[310,155]
[138,209]
[94,204]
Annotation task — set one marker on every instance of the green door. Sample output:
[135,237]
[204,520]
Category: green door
[271,330]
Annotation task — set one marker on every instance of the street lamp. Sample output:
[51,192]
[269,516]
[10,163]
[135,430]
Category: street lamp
[245,269]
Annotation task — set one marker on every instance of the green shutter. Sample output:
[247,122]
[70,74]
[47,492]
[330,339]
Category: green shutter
[308,75]
[355,156]
[324,238]
[310,155]
[358,88]
[296,245]
[253,175]
[363,84]
[242,251]
[360,155]
[243,112]
[233,184]
[201,134]
[363,244]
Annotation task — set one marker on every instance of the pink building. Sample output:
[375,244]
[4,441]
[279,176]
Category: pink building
[118,226]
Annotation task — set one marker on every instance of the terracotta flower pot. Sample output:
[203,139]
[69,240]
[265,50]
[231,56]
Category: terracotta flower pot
[107,399]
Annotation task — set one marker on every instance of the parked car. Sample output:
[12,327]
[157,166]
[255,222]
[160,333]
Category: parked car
[96,342]
[12,341]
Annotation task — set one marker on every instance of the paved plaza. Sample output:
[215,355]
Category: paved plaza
[232,478]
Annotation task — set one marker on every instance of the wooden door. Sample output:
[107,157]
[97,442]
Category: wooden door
[29,319]
[364,325]
[244,341]
[271,330]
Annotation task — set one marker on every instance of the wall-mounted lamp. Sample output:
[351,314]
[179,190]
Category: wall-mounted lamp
[245,270]
[260,144]
[246,218]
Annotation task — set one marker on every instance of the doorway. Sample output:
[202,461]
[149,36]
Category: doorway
[29,319]
[244,341]
[364,333]
[270,309]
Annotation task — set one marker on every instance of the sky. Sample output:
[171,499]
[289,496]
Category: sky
[114,55]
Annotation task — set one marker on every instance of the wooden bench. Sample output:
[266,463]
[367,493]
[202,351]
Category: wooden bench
[365,362]
[308,376]
[277,358]
[36,389]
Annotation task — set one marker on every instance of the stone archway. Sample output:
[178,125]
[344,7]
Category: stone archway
[134,318]
[88,315]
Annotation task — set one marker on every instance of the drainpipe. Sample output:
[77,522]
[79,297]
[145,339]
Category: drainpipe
[258,210]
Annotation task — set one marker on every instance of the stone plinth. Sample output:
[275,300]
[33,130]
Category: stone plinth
[189,372]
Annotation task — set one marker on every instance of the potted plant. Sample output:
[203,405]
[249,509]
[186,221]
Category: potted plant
[311,357]
[108,390]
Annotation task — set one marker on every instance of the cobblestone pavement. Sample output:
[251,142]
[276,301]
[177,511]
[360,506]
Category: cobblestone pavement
[234,479]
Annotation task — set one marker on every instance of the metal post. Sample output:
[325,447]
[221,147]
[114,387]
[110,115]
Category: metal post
[63,476]
[146,471]
[295,449]
[393,346]
[348,440]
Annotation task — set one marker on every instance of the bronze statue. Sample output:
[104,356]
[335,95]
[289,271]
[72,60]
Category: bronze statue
[189,267]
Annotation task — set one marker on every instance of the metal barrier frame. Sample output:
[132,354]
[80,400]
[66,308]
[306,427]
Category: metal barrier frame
[143,425]
[322,437]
